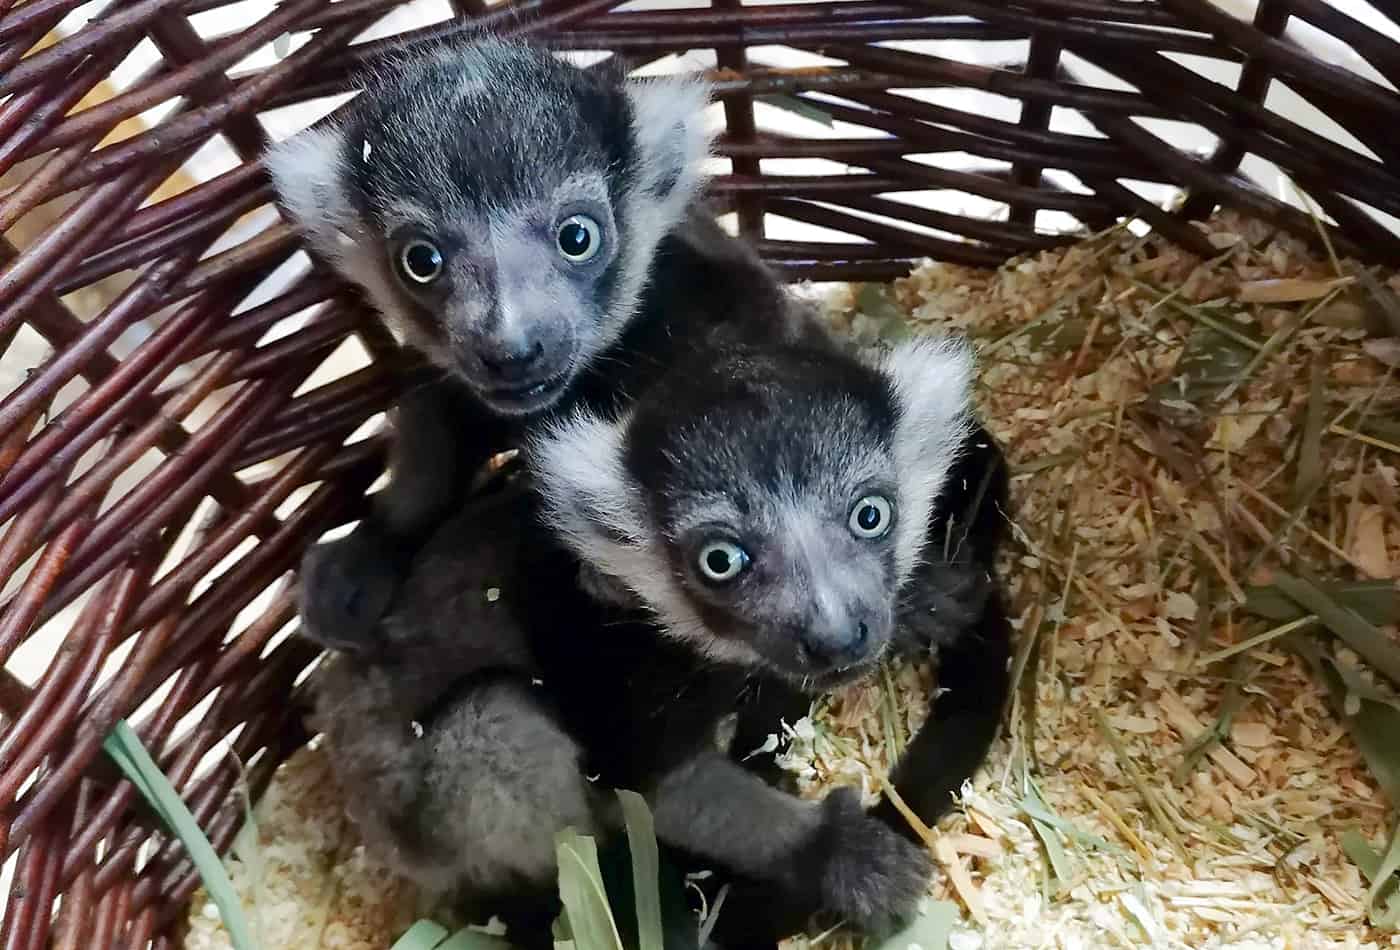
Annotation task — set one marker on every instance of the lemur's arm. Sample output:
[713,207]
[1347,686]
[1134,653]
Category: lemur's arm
[810,856]
[973,683]
[438,444]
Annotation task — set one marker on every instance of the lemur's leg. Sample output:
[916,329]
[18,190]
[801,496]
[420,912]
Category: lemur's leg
[462,787]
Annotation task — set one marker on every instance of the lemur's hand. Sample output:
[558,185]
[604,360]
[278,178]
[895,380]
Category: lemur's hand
[869,874]
[346,587]
[942,602]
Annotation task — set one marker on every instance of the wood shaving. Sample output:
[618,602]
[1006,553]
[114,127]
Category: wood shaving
[1143,492]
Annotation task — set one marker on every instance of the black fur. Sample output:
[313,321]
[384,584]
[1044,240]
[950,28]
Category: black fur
[644,711]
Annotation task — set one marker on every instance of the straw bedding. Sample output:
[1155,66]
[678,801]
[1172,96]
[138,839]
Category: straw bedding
[1186,436]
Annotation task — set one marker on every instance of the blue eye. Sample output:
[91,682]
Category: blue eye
[579,239]
[871,517]
[722,561]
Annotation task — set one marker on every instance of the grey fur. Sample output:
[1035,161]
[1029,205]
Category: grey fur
[855,866]
[483,148]
[466,804]
[643,529]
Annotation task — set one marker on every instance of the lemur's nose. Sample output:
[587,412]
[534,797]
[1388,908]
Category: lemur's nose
[512,362]
[837,641]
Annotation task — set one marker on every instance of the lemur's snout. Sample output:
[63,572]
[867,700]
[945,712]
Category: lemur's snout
[839,640]
[512,361]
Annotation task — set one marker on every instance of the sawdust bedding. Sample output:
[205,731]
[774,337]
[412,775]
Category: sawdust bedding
[1166,418]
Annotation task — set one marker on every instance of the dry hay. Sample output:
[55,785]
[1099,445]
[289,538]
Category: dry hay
[1156,410]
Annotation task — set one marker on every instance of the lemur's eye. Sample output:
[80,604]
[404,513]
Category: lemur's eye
[722,561]
[579,239]
[871,517]
[420,262]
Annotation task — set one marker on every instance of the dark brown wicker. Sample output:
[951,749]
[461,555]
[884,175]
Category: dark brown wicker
[234,440]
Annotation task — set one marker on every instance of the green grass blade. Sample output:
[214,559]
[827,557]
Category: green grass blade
[1383,884]
[1374,726]
[799,107]
[1373,645]
[125,748]
[1377,602]
[469,939]
[581,889]
[929,931]
[1359,850]
[646,869]
[423,935]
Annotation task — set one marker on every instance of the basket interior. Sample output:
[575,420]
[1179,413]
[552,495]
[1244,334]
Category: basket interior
[186,399]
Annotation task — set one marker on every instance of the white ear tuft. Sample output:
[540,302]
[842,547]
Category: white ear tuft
[932,383]
[589,498]
[307,171]
[672,134]
[591,502]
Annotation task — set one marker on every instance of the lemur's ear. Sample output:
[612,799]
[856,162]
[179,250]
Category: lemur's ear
[589,499]
[308,173]
[672,136]
[931,380]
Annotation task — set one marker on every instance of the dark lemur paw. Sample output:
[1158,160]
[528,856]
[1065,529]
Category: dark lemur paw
[870,875]
[346,587]
[946,600]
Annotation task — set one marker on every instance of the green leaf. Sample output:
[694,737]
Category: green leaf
[1067,335]
[1357,686]
[423,935]
[1034,806]
[646,869]
[874,301]
[1373,727]
[1373,645]
[126,749]
[469,938]
[929,931]
[1383,884]
[1359,850]
[581,889]
[1210,361]
[1310,449]
[1377,602]
[805,108]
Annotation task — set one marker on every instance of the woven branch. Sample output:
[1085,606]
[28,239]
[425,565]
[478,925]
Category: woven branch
[161,468]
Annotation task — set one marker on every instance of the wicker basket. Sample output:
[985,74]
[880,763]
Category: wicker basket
[170,436]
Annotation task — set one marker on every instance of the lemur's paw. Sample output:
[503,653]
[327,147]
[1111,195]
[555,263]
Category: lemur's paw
[346,587]
[871,876]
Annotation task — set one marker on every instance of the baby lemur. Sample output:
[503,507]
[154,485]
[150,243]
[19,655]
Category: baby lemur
[776,510]
[532,228]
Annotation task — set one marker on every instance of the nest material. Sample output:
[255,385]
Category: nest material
[1144,486]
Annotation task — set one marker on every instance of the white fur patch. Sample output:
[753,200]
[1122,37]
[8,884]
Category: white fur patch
[673,139]
[597,510]
[932,380]
[307,172]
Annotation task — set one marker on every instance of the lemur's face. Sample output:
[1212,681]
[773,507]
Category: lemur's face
[798,570]
[499,206]
[508,299]
[767,503]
